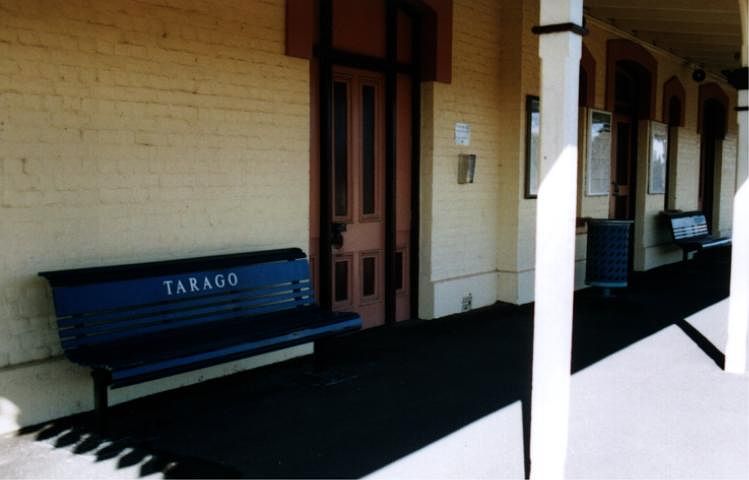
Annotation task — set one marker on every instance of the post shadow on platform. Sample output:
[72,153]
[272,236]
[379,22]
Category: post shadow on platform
[526,407]
[703,342]
[81,435]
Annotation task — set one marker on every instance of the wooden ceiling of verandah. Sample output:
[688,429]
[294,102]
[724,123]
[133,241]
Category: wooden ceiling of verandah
[704,32]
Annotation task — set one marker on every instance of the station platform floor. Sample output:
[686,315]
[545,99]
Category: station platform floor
[445,398]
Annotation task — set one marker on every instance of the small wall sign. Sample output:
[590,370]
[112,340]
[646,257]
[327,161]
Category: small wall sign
[462,134]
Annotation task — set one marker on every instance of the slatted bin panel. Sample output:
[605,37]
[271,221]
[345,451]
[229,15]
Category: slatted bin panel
[607,259]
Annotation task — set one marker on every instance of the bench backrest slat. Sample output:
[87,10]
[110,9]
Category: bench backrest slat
[71,338]
[689,226]
[148,302]
[180,305]
[82,299]
[133,318]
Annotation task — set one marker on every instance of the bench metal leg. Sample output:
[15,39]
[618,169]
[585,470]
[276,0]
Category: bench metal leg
[101,390]
[321,354]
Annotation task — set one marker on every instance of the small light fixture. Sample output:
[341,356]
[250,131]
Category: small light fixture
[698,75]
[466,167]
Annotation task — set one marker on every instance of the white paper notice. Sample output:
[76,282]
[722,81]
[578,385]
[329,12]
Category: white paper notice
[462,134]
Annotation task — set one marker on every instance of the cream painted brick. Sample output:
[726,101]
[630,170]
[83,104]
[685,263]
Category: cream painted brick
[687,169]
[110,153]
[462,224]
[519,77]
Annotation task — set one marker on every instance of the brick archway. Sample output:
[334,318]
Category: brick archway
[673,90]
[707,92]
[588,69]
[618,50]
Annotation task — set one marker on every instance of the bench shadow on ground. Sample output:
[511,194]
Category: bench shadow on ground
[371,398]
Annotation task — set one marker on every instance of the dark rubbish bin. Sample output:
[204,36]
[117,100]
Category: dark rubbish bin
[607,263]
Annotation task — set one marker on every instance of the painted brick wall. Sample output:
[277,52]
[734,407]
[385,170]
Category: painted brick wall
[511,108]
[461,225]
[456,231]
[520,78]
[531,85]
[136,131]
[515,251]
[687,167]
[652,239]
[727,189]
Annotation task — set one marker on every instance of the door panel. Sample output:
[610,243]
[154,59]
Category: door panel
[342,143]
[621,205]
[357,194]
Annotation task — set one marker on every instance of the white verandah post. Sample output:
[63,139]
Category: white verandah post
[738,309]
[559,49]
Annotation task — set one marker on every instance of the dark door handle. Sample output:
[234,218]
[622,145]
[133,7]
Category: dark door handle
[336,237]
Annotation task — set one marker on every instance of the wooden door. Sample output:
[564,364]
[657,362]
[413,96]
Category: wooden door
[358,173]
[357,191]
[363,178]
[621,199]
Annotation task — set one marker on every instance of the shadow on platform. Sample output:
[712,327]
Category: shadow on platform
[374,397]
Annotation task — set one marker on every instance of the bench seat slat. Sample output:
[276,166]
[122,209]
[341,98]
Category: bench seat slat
[121,378]
[191,341]
[717,242]
[127,352]
[132,320]
[696,243]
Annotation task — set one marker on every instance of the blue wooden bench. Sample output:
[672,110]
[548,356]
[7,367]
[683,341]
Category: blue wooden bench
[689,231]
[140,322]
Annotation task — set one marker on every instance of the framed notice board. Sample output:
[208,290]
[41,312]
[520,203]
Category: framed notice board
[598,172]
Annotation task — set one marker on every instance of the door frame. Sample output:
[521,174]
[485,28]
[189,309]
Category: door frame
[712,100]
[626,54]
[327,57]
[631,166]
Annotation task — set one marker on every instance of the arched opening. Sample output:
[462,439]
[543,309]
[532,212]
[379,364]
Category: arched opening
[673,92]
[711,124]
[675,112]
[586,96]
[713,132]
[632,99]
[673,116]
[583,92]
[630,95]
